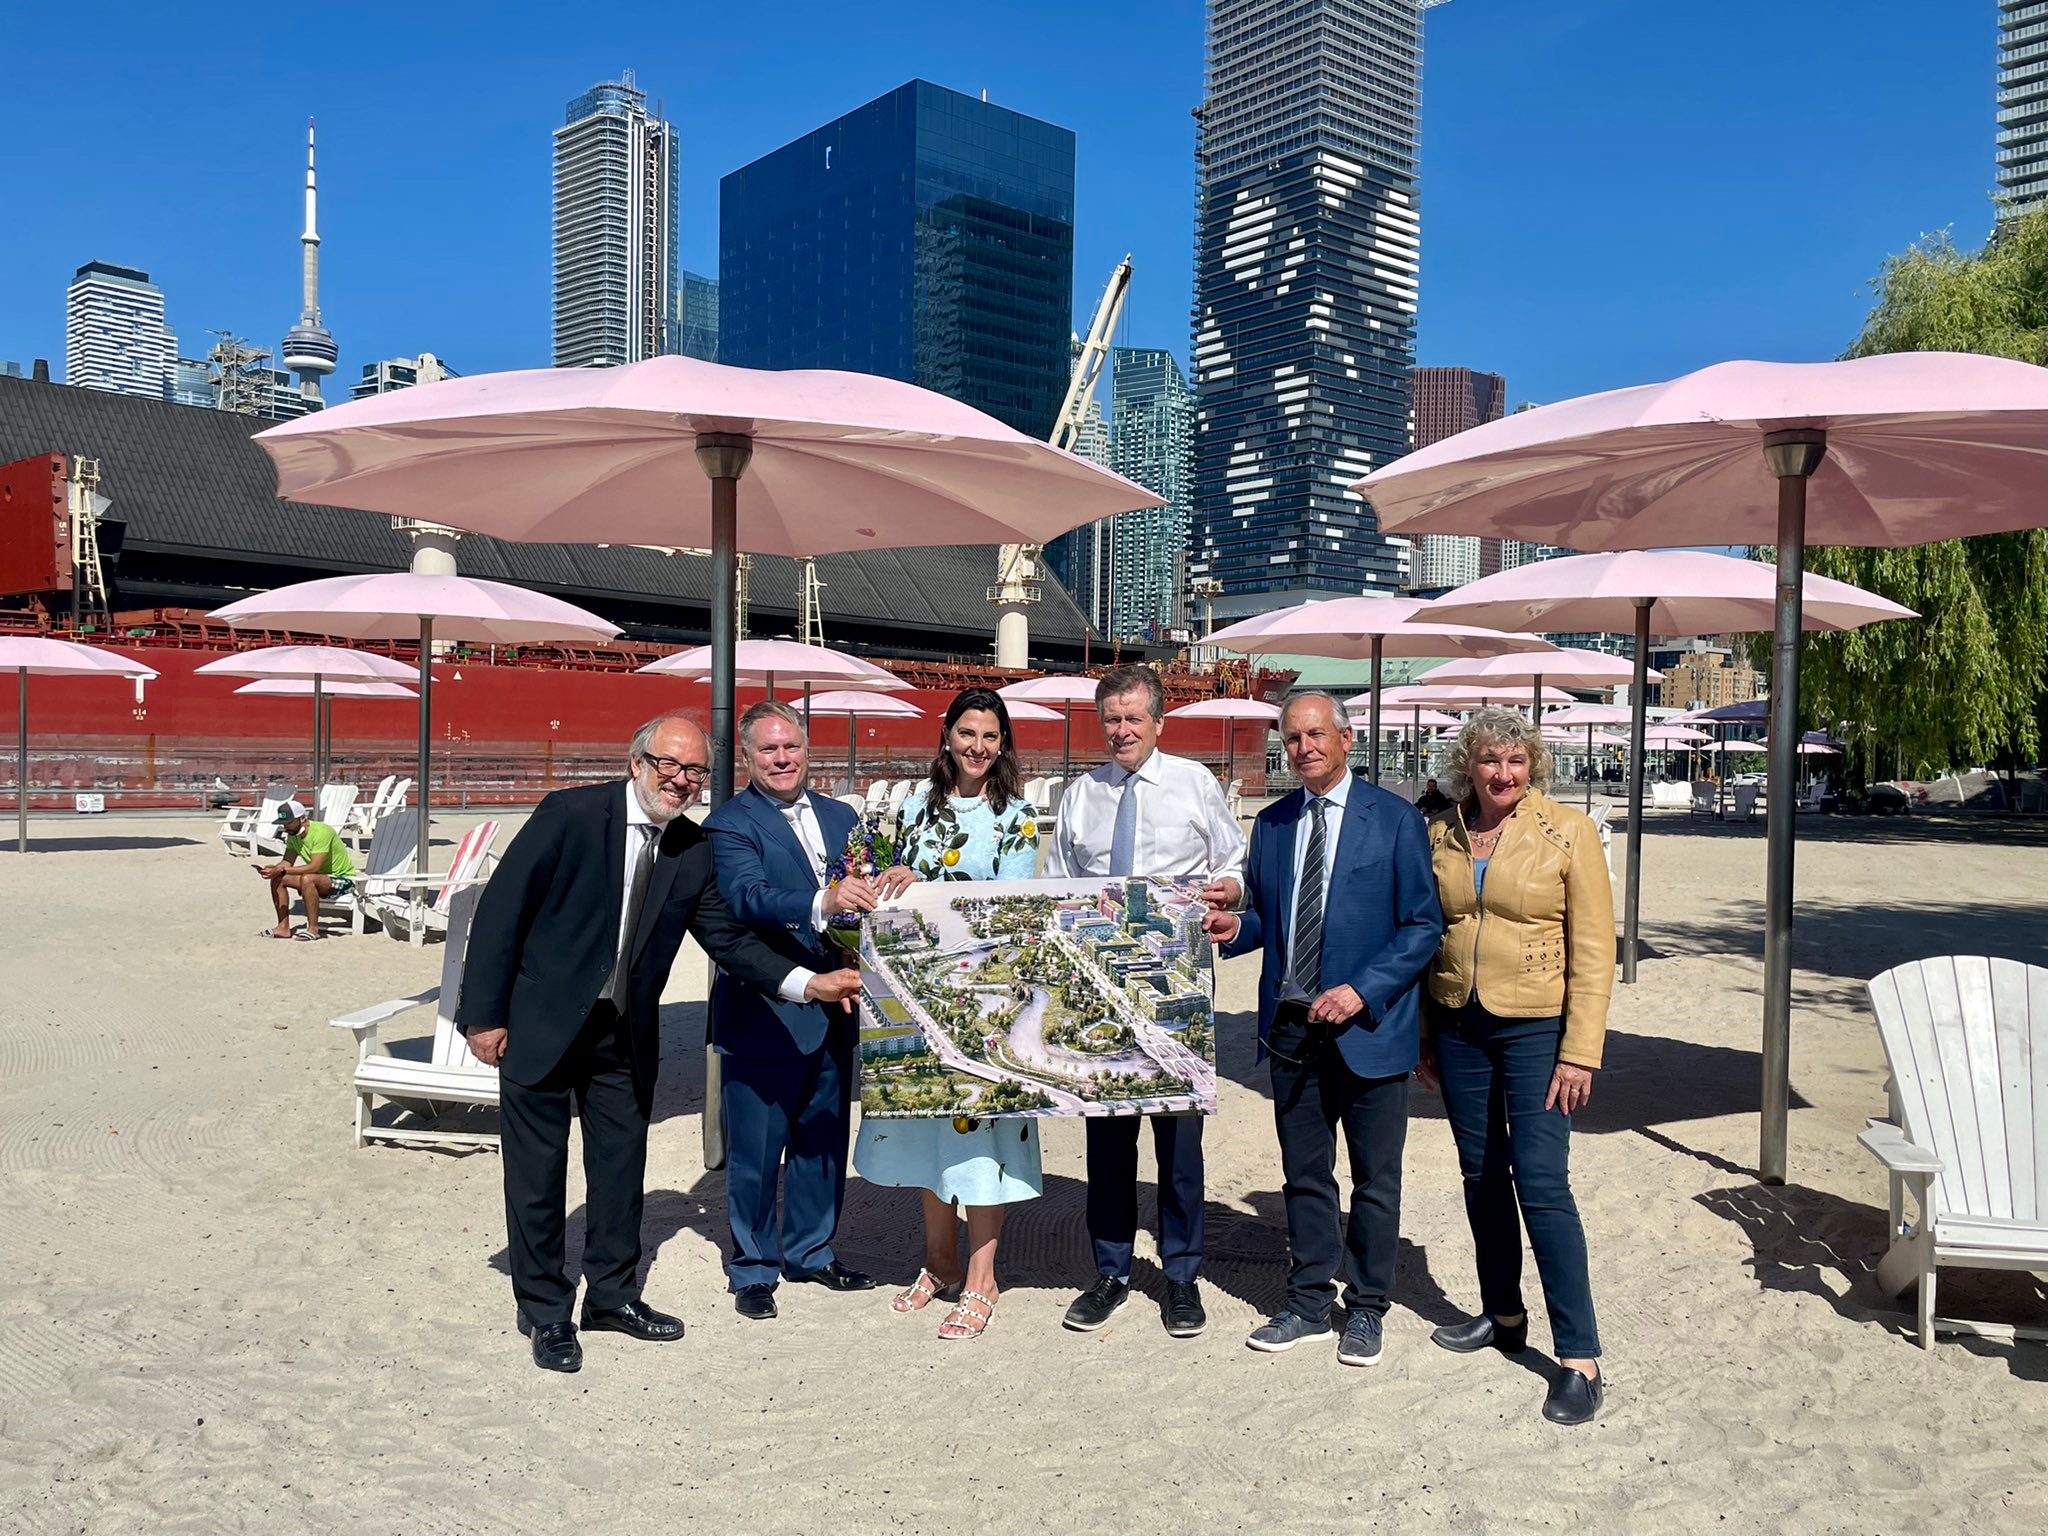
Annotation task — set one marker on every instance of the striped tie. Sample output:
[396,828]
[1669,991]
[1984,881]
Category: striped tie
[1307,967]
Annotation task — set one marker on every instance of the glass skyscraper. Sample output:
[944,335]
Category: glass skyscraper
[1307,250]
[926,236]
[1152,439]
[616,186]
[2022,106]
[697,315]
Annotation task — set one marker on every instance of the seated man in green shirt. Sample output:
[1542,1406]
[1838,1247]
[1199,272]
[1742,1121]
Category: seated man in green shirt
[315,864]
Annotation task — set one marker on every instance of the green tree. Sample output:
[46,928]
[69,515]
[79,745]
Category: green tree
[1968,682]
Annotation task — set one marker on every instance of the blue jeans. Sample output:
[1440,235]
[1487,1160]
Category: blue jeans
[1512,1151]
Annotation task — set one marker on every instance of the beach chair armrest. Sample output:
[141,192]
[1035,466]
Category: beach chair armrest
[364,1021]
[1888,1144]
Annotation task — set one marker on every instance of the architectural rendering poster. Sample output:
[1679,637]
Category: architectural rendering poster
[1038,997]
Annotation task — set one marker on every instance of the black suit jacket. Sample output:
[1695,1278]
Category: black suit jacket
[545,936]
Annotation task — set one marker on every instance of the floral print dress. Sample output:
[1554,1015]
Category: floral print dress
[998,1162]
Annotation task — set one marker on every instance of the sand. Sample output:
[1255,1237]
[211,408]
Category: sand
[217,1316]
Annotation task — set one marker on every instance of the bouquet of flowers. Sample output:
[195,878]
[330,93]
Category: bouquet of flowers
[869,850]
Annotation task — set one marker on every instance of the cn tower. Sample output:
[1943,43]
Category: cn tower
[308,350]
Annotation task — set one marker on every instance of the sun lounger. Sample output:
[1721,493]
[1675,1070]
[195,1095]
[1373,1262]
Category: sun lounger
[1966,1038]
[424,1077]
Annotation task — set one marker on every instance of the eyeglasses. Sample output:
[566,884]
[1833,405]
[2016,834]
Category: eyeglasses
[669,768]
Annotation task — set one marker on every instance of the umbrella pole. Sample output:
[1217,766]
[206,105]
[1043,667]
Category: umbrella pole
[1536,703]
[1373,722]
[1792,456]
[1589,768]
[1632,899]
[852,749]
[1067,743]
[724,457]
[21,761]
[319,769]
[1415,737]
[426,745]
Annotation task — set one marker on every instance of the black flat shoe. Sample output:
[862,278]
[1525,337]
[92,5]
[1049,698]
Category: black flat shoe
[554,1344]
[1482,1332]
[635,1319]
[1573,1399]
[755,1301]
[1182,1311]
[1092,1308]
[834,1277]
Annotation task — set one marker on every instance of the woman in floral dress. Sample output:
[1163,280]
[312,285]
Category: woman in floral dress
[972,823]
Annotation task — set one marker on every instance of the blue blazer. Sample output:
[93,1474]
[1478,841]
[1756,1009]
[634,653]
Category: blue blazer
[1381,926]
[766,879]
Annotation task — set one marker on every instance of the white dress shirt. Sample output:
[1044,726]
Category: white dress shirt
[802,820]
[1333,827]
[1185,829]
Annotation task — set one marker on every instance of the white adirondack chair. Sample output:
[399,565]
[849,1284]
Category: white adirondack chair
[403,910]
[331,805]
[425,1077]
[241,826]
[1706,798]
[1233,796]
[383,869]
[1966,1038]
[1602,815]
[362,816]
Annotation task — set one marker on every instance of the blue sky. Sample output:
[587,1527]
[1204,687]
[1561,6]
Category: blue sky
[1613,191]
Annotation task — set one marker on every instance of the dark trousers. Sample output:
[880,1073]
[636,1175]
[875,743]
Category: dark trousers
[594,1083]
[1315,1091]
[786,1124]
[1512,1151]
[1113,1192]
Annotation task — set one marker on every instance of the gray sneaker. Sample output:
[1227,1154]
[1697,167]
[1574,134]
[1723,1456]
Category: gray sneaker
[1286,1330]
[1361,1342]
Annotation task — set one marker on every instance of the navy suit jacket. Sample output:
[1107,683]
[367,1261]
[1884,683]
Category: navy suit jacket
[1381,924]
[766,879]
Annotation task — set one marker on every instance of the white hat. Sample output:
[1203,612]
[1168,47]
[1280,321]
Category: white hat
[291,810]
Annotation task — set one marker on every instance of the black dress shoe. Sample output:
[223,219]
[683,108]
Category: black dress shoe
[1482,1332]
[1182,1310]
[1572,1399]
[635,1319]
[755,1301]
[1092,1308]
[834,1277]
[554,1344]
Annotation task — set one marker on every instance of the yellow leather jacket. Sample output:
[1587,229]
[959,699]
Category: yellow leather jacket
[1542,941]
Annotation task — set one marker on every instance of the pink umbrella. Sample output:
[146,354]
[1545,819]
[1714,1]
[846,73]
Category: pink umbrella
[1878,451]
[333,688]
[853,703]
[408,605]
[759,663]
[1589,716]
[1735,748]
[1665,592]
[835,461]
[1566,667]
[1232,710]
[23,654]
[316,665]
[1066,691]
[1353,628]
[1022,709]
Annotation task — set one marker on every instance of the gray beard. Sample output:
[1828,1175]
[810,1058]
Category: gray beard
[657,812]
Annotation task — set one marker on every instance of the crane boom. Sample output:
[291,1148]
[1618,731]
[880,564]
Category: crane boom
[1018,583]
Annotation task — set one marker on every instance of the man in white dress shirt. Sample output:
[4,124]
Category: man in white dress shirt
[1145,812]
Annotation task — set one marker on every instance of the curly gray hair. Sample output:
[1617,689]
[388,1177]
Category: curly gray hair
[1493,728]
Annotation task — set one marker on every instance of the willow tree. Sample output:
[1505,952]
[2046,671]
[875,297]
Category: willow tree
[1968,682]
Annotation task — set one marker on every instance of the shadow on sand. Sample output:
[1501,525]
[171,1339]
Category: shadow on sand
[112,843]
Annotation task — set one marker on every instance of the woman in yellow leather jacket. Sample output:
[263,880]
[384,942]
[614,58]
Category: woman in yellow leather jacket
[1514,1017]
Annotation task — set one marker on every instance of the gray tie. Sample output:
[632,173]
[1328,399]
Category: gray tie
[1307,965]
[636,898]
[1123,837]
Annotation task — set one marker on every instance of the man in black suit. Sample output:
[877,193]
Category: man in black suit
[571,947]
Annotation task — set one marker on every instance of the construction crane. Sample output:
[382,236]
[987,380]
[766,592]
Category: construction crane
[1018,582]
[89,596]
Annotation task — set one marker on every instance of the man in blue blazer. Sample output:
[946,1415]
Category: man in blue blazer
[1341,900]
[787,1062]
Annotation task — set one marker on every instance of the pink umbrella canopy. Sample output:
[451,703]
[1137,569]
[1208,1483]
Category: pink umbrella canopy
[1591,714]
[1226,709]
[833,461]
[322,668]
[1063,689]
[853,703]
[1024,709]
[1457,695]
[765,663]
[411,605]
[1877,451]
[343,688]
[1690,592]
[1735,748]
[1353,628]
[38,654]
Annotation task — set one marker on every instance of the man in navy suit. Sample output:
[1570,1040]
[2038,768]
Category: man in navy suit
[1341,899]
[787,1061]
